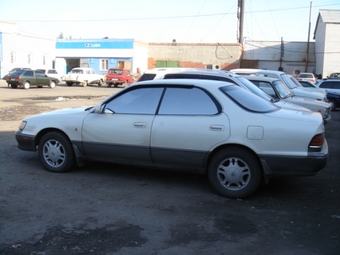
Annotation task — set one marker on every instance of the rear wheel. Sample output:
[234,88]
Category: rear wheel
[101,82]
[52,84]
[27,85]
[55,152]
[84,83]
[234,172]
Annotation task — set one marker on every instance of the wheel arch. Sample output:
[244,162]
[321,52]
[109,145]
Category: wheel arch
[264,170]
[48,130]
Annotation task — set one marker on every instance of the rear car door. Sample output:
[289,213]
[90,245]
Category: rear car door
[188,125]
[41,79]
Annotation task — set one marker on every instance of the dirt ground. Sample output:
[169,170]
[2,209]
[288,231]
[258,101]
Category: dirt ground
[112,209]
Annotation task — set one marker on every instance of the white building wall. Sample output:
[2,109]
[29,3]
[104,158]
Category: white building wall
[332,49]
[140,59]
[26,51]
[320,43]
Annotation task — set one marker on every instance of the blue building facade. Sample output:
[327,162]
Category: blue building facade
[101,54]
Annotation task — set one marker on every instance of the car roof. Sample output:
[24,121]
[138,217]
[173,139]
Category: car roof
[250,70]
[260,78]
[184,82]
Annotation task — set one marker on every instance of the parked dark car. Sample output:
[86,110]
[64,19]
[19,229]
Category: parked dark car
[13,70]
[27,78]
[334,99]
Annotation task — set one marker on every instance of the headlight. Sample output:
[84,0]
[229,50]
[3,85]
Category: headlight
[22,125]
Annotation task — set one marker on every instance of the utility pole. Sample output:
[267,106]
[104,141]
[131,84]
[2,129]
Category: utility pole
[240,15]
[307,51]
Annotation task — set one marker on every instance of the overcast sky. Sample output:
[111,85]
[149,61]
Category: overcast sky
[201,21]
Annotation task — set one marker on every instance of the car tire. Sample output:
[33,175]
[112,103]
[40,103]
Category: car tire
[234,172]
[56,152]
[333,104]
[84,83]
[52,84]
[69,83]
[101,83]
[26,85]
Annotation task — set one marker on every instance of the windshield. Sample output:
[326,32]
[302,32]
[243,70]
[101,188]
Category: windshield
[253,88]
[290,84]
[282,90]
[297,83]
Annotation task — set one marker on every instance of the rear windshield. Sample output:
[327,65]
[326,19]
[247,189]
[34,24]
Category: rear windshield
[17,72]
[80,71]
[248,100]
[115,71]
[305,75]
[147,77]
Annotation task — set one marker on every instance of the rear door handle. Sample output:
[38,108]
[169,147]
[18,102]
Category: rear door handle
[139,124]
[216,127]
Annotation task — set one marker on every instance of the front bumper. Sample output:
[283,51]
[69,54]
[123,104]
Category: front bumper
[25,142]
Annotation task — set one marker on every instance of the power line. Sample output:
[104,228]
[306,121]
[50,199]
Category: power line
[168,17]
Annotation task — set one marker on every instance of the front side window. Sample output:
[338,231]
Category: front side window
[187,101]
[136,101]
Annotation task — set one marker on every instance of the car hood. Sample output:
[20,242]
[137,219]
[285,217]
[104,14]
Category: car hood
[303,92]
[291,106]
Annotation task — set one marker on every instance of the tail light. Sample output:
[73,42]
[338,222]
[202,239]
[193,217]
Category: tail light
[317,142]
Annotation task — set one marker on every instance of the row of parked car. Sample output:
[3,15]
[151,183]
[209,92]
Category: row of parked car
[238,130]
[26,77]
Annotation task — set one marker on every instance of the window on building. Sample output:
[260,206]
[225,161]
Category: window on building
[13,57]
[30,58]
[104,64]
[209,67]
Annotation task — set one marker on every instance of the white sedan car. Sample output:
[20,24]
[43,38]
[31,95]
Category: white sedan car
[211,127]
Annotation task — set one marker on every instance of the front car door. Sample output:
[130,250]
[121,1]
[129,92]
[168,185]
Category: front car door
[121,133]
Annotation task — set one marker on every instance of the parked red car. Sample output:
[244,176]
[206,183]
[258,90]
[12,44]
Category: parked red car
[117,76]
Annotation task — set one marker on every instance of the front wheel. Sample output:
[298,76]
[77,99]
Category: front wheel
[55,152]
[333,104]
[234,173]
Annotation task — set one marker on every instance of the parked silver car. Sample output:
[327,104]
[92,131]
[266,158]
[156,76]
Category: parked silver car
[276,88]
[211,127]
[300,92]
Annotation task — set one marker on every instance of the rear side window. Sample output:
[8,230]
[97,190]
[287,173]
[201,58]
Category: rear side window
[326,84]
[247,100]
[147,77]
[29,73]
[188,101]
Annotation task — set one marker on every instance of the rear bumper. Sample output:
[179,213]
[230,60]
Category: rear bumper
[309,165]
